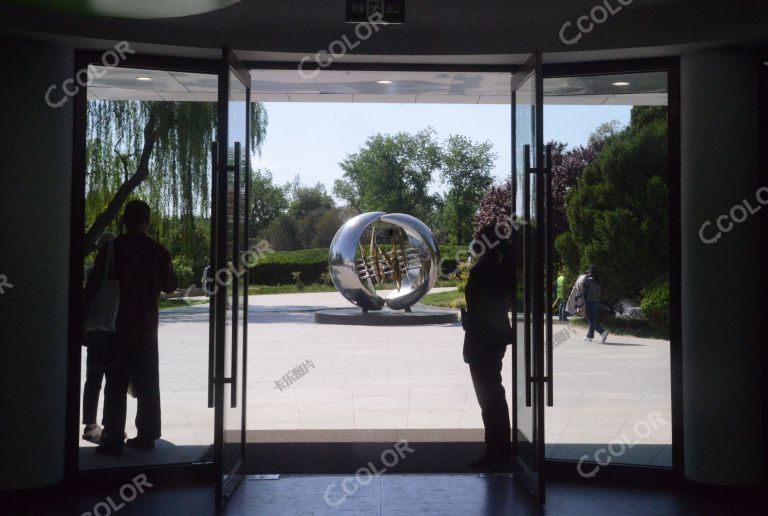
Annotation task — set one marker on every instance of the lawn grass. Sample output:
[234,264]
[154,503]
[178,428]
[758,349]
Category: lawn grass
[321,287]
[447,282]
[450,299]
[289,289]
[177,302]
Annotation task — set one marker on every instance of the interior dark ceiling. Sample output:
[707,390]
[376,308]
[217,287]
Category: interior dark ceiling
[432,28]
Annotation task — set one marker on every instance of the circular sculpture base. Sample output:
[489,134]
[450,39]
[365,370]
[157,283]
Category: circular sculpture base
[418,316]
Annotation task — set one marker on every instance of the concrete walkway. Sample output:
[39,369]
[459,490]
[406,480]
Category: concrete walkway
[405,378]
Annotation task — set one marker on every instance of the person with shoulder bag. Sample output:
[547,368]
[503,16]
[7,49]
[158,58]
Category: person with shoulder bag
[102,296]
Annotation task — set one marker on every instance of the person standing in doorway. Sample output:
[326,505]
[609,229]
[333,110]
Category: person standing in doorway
[592,299]
[489,295]
[99,339]
[143,269]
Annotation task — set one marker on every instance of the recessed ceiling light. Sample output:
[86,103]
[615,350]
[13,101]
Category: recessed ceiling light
[620,83]
[143,78]
[383,82]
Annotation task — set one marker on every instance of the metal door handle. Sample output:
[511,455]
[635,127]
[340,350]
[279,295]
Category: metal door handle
[526,262]
[548,254]
[235,249]
[211,293]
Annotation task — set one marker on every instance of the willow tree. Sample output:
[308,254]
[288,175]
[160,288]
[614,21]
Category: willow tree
[158,151]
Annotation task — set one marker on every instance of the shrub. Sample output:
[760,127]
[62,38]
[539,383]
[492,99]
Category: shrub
[462,275]
[325,278]
[184,270]
[654,301]
[312,264]
[278,268]
[296,275]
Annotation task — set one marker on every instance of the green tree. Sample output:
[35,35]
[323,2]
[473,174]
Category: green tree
[306,199]
[467,171]
[392,173]
[319,226]
[283,233]
[267,199]
[618,210]
[159,151]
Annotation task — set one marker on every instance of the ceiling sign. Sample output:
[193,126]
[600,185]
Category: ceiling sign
[376,11]
[132,8]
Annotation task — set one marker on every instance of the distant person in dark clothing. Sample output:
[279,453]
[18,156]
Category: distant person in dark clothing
[143,269]
[592,299]
[489,295]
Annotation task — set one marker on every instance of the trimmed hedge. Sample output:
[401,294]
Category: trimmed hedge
[277,268]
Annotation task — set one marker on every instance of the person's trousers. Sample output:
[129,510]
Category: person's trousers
[593,309]
[139,366]
[563,316]
[100,353]
[486,378]
[144,374]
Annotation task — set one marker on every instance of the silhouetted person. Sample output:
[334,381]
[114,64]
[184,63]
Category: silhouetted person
[143,269]
[489,295]
[100,343]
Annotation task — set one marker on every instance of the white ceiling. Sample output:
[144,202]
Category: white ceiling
[361,87]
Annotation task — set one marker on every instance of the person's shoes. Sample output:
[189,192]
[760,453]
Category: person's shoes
[587,339]
[140,443]
[490,464]
[604,335]
[110,449]
[92,433]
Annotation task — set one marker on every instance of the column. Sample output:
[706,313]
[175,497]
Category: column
[35,185]
[722,376]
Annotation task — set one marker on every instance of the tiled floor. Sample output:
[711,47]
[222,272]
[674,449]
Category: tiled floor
[429,495]
[406,378]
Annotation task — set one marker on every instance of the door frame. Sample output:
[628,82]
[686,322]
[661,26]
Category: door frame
[559,468]
[73,476]
[671,66]
[535,330]
[229,65]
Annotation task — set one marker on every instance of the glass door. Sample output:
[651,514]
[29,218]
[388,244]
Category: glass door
[231,275]
[533,328]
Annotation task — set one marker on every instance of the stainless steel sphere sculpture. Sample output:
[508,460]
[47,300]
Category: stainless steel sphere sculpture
[411,266]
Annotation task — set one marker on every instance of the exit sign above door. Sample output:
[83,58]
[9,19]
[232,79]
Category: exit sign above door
[376,11]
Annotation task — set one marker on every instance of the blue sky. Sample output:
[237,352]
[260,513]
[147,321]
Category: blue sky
[310,139]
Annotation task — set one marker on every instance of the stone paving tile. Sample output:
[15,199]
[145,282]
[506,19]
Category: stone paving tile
[400,377]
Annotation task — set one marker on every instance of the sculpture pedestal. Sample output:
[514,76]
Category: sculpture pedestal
[386,317]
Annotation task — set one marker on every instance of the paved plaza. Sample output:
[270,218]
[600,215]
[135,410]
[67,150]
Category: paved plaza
[366,382]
